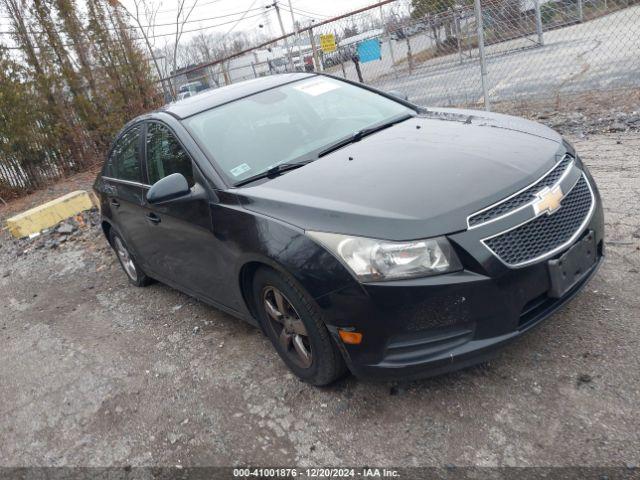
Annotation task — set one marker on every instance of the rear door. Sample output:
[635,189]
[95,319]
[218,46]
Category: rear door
[125,187]
[180,245]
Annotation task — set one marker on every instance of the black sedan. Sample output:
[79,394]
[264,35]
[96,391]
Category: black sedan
[357,230]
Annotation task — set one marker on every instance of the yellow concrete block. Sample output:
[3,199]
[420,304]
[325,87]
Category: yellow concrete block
[49,214]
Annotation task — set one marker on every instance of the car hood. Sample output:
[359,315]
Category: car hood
[417,179]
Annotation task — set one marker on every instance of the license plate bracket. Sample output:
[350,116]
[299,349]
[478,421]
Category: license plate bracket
[565,272]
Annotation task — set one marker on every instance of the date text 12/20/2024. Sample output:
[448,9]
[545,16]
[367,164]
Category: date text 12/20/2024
[315,472]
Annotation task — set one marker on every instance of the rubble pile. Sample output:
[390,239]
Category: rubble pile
[75,229]
[584,123]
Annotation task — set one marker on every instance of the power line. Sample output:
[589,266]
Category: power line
[163,11]
[164,34]
[133,27]
[301,14]
[198,5]
[298,9]
[243,17]
[205,19]
[271,41]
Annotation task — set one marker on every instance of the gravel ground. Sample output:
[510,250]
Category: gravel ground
[97,372]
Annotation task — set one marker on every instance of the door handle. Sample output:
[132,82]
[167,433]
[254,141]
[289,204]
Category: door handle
[115,203]
[153,218]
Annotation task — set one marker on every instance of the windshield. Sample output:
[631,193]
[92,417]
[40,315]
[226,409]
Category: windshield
[287,124]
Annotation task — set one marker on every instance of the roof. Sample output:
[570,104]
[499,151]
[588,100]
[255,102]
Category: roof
[362,36]
[219,96]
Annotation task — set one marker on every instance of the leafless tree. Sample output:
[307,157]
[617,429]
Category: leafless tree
[144,14]
[182,17]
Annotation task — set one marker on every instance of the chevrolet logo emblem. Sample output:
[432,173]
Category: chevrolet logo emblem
[548,200]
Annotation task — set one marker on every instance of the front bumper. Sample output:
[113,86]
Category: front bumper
[423,327]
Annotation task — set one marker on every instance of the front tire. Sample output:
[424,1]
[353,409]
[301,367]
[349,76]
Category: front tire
[134,273]
[293,324]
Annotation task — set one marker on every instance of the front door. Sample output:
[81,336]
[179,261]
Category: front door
[181,248]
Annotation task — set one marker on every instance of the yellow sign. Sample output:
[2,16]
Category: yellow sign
[328,43]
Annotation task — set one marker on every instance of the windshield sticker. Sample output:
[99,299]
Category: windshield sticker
[240,169]
[317,87]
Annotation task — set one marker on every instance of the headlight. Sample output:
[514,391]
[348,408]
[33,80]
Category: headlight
[376,260]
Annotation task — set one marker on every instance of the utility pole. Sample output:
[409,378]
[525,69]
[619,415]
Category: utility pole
[314,49]
[483,60]
[267,22]
[286,41]
[536,4]
[295,28]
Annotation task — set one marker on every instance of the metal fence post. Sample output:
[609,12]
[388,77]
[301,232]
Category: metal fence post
[458,29]
[225,73]
[314,50]
[580,12]
[409,55]
[536,4]
[393,56]
[483,60]
[467,37]
[356,62]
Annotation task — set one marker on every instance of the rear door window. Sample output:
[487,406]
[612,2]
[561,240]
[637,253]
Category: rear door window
[124,161]
[165,155]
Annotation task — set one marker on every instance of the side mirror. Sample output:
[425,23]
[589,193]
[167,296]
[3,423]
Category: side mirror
[168,188]
[399,94]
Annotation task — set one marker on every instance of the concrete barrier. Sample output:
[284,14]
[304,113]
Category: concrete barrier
[49,214]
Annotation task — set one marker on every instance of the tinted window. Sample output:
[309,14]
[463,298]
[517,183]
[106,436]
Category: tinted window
[165,155]
[124,160]
[287,123]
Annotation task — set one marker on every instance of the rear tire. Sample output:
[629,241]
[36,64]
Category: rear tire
[294,325]
[135,274]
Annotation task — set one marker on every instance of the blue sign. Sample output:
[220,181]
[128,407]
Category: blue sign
[369,50]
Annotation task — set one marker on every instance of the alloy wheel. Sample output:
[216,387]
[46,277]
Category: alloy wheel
[125,259]
[288,327]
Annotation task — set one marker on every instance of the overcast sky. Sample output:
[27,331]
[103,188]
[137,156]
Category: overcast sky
[231,12]
[236,15]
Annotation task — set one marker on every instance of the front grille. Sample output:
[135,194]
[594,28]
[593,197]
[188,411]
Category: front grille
[546,232]
[523,197]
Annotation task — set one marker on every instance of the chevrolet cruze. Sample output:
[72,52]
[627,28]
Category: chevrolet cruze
[359,231]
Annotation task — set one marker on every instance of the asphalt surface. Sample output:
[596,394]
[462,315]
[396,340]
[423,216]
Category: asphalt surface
[600,54]
[97,372]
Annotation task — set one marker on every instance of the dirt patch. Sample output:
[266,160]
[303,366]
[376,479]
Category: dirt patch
[582,115]
[20,202]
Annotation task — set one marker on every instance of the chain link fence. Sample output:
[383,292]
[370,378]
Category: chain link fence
[457,52]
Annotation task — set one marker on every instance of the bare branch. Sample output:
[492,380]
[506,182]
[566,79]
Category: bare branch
[148,15]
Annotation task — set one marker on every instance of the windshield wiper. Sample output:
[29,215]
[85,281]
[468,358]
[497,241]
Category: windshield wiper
[273,172]
[357,136]
[360,134]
